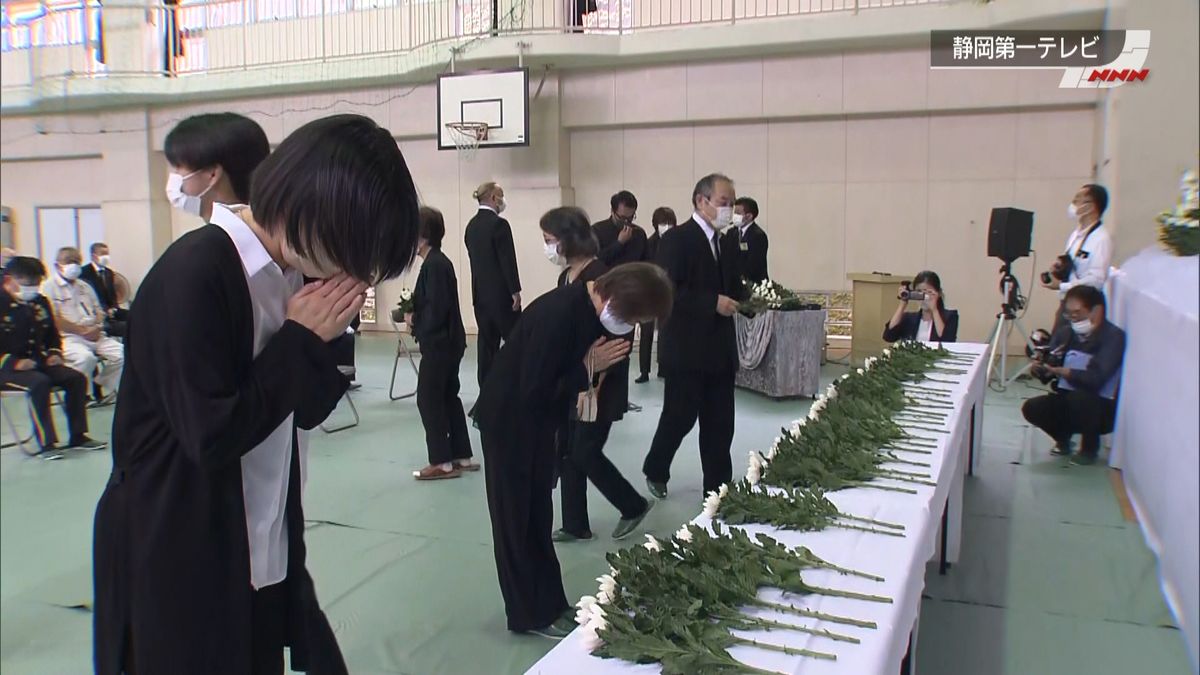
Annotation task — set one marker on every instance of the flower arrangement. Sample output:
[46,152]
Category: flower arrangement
[771,295]
[406,304]
[1179,230]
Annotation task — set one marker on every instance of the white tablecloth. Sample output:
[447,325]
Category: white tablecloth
[900,560]
[1156,442]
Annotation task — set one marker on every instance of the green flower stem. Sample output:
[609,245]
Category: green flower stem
[905,479]
[844,526]
[880,523]
[900,448]
[877,486]
[851,595]
[800,611]
[790,651]
[892,459]
[909,427]
[848,572]
[820,632]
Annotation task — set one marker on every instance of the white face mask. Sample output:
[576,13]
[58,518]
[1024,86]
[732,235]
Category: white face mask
[1082,327]
[28,293]
[71,271]
[724,217]
[663,229]
[102,261]
[501,205]
[191,204]
[552,254]
[737,219]
[612,323]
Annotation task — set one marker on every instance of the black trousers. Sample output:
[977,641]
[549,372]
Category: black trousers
[690,396]
[495,323]
[1066,413]
[268,628]
[343,350]
[38,383]
[646,348]
[441,409]
[519,472]
[584,460]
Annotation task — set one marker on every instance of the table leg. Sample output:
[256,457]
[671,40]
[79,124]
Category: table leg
[943,564]
[971,445]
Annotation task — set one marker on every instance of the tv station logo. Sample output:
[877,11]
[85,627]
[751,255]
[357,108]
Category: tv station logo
[1096,59]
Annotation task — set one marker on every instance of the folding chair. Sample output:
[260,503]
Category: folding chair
[348,371]
[27,443]
[402,352]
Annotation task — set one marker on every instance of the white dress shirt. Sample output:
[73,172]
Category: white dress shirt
[709,233]
[1093,260]
[266,468]
[925,328]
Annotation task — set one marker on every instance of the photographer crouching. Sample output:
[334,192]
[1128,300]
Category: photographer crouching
[1083,364]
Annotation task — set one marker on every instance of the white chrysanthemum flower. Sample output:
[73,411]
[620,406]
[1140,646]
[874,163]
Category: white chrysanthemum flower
[603,598]
[652,544]
[755,469]
[591,639]
[684,534]
[608,586]
[845,377]
[723,491]
[861,371]
[585,609]
[613,572]
[711,504]
[887,352]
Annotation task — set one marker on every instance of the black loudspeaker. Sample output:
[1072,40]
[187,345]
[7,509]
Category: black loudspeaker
[1010,231]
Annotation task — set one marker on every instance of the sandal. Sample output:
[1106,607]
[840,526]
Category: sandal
[436,472]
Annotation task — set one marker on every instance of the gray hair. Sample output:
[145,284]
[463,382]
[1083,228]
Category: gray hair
[705,186]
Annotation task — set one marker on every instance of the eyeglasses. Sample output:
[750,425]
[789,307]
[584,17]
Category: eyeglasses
[1067,316]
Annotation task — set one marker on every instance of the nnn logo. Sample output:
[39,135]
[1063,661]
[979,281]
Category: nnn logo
[1115,75]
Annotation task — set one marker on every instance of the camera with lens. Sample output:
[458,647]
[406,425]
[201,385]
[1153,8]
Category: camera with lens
[1039,350]
[908,294]
[1061,269]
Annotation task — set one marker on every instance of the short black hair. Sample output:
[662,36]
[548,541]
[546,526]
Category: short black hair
[624,197]
[748,205]
[433,226]
[24,268]
[97,246]
[663,214]
[70,251]
[234,142]
[339,186]
[1090,296]
[705,186]
[569,225]
[1098,195]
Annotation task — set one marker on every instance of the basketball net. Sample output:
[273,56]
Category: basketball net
[466,137]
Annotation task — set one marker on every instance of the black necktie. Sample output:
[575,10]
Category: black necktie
[716,242]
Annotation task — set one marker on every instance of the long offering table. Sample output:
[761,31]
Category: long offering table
[931,519]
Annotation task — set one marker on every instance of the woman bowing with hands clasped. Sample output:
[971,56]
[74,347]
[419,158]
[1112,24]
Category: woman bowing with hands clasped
[199,536]
[534,385]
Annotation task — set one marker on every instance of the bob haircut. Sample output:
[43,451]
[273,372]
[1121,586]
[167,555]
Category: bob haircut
[433,226]
[339,187]
[637,292]
[235,143]
[569,225]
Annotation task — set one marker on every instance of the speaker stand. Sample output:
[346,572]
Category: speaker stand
[997,371]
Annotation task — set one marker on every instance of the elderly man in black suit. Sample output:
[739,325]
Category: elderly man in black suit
[495,282]
[100,277]
[698,346]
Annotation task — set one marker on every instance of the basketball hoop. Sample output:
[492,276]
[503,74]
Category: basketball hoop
[467,136]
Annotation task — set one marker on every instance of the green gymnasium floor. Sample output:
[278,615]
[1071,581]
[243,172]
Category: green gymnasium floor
[1052,579]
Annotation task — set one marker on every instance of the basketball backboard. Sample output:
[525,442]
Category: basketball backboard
[499,98]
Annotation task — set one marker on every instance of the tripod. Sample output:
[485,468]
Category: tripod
[1006,319]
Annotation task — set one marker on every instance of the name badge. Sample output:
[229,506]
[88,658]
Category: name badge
[745,246]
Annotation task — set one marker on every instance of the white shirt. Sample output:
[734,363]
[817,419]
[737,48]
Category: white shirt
[485,207]
[266,468]
[925,329]
[709,232]
[1091,265]
[742,229]
[75,301]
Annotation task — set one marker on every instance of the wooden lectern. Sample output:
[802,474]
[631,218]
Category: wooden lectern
[874,303]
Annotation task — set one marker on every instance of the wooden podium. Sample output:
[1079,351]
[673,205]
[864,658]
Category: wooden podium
[874,303]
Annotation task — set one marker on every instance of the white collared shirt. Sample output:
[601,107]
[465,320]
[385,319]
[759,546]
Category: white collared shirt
[925,328]
[742,229]
[709,232]
[485,207]
[1091,265]
[266,468]
[75,301]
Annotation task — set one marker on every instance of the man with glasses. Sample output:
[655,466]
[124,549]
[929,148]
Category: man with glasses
[1088,252]
[1084,400]
[621,239]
